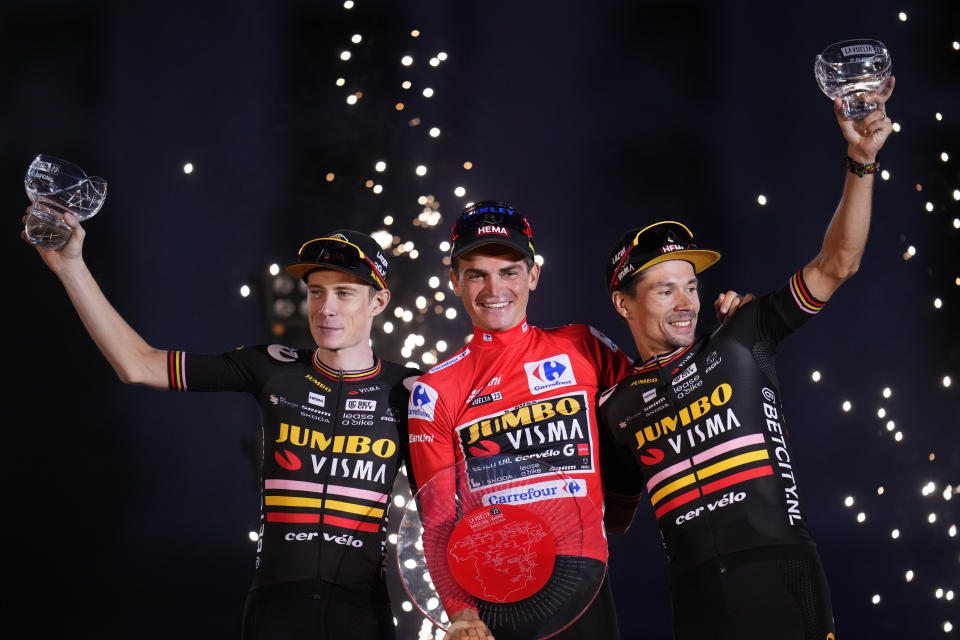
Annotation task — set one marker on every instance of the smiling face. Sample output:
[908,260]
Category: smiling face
[341,309]
[662,313]
[494,283]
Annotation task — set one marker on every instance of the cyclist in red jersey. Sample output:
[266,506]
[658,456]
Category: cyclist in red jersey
[506,365]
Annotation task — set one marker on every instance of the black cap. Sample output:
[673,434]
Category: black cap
[491,222]
[343,250]
[638,249]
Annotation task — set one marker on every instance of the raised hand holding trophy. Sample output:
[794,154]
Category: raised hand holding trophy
[56,187]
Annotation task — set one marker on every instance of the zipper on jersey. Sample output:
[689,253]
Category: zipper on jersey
[686,451]
[336,419]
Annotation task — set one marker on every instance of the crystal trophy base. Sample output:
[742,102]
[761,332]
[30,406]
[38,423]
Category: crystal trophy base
[45,226]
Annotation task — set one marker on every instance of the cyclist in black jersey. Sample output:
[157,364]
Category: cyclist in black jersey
[699,426]
[334,426]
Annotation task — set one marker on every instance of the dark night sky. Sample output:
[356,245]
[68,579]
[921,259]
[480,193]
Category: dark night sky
[132,507]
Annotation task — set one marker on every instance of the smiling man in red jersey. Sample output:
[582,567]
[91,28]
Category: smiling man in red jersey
[333,422]
[699,425]
[509,365]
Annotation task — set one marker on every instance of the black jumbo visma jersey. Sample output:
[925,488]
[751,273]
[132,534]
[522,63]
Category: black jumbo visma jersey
[702,430]
[333,441]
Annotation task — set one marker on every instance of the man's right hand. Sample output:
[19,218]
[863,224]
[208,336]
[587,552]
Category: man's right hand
[70,254]
[467,625]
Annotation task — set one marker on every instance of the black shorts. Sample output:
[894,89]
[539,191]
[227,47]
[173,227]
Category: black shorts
[773,592]
[304,610]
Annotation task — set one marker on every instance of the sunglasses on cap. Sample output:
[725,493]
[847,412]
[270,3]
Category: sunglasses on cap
[480,216]
[657,239]
[341,253]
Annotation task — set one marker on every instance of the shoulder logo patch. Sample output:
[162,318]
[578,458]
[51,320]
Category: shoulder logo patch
[282,353]
[423,402]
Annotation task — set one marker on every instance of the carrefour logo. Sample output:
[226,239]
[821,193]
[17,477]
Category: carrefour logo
[549,371]
[423,402]
[537,491]
[552,372]
[573,488]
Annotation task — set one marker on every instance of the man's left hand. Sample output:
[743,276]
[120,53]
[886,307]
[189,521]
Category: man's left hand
[728,303]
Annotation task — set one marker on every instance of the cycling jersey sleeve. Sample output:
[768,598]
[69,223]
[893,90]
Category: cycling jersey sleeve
[622,478]
[400,396]
[612,364]
[231,371]
[784,311]
[432,450]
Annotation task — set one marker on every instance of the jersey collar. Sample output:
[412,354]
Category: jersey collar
[346,376]
[656,362]
[483,339]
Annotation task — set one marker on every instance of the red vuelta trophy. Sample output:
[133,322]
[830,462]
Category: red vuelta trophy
[514,549]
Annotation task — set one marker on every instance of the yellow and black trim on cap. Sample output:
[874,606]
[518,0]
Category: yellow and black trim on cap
[639,249]
[346,251]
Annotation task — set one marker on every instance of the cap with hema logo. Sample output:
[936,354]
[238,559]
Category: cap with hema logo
[638,249]
[344,250]
[491,222]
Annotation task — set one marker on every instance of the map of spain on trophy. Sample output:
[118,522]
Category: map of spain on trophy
[499,558]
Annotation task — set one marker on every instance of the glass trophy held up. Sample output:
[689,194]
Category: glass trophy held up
[851,70]
[56,187]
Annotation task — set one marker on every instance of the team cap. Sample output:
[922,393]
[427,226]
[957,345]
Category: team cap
[343,250]
[491,222]
[639,249]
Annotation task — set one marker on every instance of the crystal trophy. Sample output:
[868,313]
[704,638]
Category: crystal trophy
[56,187]
[852,69]
[476,533]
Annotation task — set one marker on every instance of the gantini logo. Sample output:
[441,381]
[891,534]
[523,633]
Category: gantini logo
[423,402]
[549,373]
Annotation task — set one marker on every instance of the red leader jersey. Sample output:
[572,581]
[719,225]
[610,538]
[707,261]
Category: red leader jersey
[520,394]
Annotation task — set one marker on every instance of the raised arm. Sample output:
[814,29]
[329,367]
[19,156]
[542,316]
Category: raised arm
[135,361]
[846,236]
